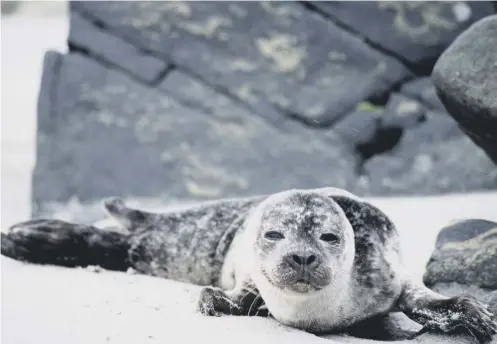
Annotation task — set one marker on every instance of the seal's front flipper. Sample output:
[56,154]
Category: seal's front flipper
[216,302]
[131,219]
[448,315]
[66,244]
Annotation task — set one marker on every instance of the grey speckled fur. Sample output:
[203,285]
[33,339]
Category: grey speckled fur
[189,245]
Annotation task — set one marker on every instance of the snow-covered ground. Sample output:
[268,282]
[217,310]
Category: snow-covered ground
[58,305]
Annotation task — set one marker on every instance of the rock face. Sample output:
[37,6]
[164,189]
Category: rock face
[466,79]
[188,100]
[466,255]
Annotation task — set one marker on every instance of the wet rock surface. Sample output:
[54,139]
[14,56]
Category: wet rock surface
[466,80]
[188,100]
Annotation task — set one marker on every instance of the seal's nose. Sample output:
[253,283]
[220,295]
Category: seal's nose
[299,260]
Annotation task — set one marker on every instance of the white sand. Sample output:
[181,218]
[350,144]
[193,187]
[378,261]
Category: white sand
[58,305]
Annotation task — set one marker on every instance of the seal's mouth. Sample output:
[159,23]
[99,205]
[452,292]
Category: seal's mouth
[303,286]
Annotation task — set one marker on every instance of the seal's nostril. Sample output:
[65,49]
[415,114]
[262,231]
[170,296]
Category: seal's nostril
[297,259]
[311,259]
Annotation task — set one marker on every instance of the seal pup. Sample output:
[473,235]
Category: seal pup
[320,260]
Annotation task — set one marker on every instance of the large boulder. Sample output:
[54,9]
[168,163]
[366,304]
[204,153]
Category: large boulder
[466,79]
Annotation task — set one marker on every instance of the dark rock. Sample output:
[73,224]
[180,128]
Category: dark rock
[434,157]
[279,58]
[463,230]
[416,31]
[466,79]
[102,133]
[84,35]
[423,90]
[471,262]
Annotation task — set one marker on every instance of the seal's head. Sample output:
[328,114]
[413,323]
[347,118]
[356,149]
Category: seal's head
[303,242]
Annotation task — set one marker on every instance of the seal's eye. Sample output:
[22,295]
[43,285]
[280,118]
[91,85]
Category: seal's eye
[273,235]
[329,237]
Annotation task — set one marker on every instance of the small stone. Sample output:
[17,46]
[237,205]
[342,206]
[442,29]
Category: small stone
[465,261]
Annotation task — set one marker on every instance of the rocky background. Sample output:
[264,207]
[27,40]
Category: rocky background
[193,100]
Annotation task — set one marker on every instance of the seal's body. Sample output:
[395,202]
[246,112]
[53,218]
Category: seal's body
[321,260]
[188,246]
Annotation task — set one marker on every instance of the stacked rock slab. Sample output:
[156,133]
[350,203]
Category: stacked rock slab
[188,100]
[466,81]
